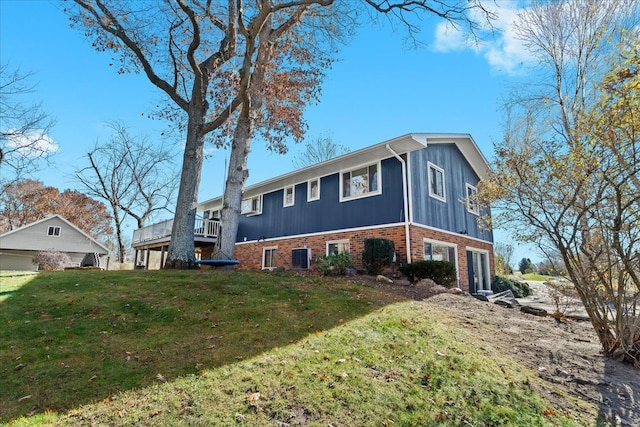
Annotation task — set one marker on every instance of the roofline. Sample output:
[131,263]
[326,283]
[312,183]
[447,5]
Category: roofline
[65,221]
[416,140]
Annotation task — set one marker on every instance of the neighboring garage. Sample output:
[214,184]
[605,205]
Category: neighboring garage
[19,247]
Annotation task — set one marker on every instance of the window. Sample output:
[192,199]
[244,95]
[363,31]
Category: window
[313,190]
[269,257]
[337,246]
[436,182]
[252,206]
[472,200]
[361,182]
[289,196]
[437,251]
[53,231]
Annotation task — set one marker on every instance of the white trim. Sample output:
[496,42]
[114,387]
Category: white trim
[448,245]
[251,212]
[54,228]
[293,196]
[369,227]
[367,194]
[405,202]
[427,227]
[264,250]
[470,209]
[310,198]
[487,263]
[322,233]
[338,241]
[436,196]
[409,188]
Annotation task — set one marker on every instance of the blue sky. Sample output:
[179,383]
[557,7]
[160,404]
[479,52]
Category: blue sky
[381,88]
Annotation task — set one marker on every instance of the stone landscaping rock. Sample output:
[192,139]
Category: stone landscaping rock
[532,310]
[383,279]
[425,284]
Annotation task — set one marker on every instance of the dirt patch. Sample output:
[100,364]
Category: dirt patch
[565,353]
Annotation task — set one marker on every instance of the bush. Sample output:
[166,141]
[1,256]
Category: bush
[52,260]
[442,272]
[501,284]
[334,264]
[378,254]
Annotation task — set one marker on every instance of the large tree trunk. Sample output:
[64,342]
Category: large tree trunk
[252,85]
[232,199]
[119,239]
[181,253]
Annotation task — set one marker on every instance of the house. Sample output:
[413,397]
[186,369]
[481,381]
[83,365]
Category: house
[19,247]
[417,190]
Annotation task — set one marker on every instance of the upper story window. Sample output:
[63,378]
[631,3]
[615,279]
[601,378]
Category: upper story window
[252,206]
[472,200]
[289,196]
[436,182]
[360,182]
[53,231]
[313,190]
[337,247]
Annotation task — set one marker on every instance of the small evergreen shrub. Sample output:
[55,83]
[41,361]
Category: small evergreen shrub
[378,254]
[52,260]
[501,284]
[441,272]
[334,264]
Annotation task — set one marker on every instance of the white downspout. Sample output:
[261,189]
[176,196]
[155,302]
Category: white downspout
[405,200]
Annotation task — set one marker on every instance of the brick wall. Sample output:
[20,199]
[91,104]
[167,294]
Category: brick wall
[417,249]
[250,254]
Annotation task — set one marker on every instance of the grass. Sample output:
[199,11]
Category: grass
[247,348]
[534,277]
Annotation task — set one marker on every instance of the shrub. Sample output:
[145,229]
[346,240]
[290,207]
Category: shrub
[501,284]
[442,272]
[378,254]
[51,260]
[334,264]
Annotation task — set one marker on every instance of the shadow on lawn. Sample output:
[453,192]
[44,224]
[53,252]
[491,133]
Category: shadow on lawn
[73,337]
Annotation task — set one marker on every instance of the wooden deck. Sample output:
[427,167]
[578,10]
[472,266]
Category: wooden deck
[159,234]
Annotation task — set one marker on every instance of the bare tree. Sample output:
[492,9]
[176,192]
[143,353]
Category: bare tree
[504,257]
[319,150]
[259,63]
[566,173]
[24,128]
[134,176]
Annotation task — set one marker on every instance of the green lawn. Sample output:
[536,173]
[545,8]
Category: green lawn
[245,348]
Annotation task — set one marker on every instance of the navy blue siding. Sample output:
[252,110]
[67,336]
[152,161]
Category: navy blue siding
[452,215]
[328,213]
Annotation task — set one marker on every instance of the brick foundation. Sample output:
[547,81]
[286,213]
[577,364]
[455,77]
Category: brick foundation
[250,253]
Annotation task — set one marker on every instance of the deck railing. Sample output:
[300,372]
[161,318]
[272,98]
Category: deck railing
[203,228]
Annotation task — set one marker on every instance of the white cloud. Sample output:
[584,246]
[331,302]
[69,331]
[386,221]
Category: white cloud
[502,50]
[449,38]
[35,143]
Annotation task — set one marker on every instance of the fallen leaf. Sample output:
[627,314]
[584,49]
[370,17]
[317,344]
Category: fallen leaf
[252,397]
[341,360]
[342,375]
[441,354]
[160,377]
[28,396]
[19,366]
[92,378]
